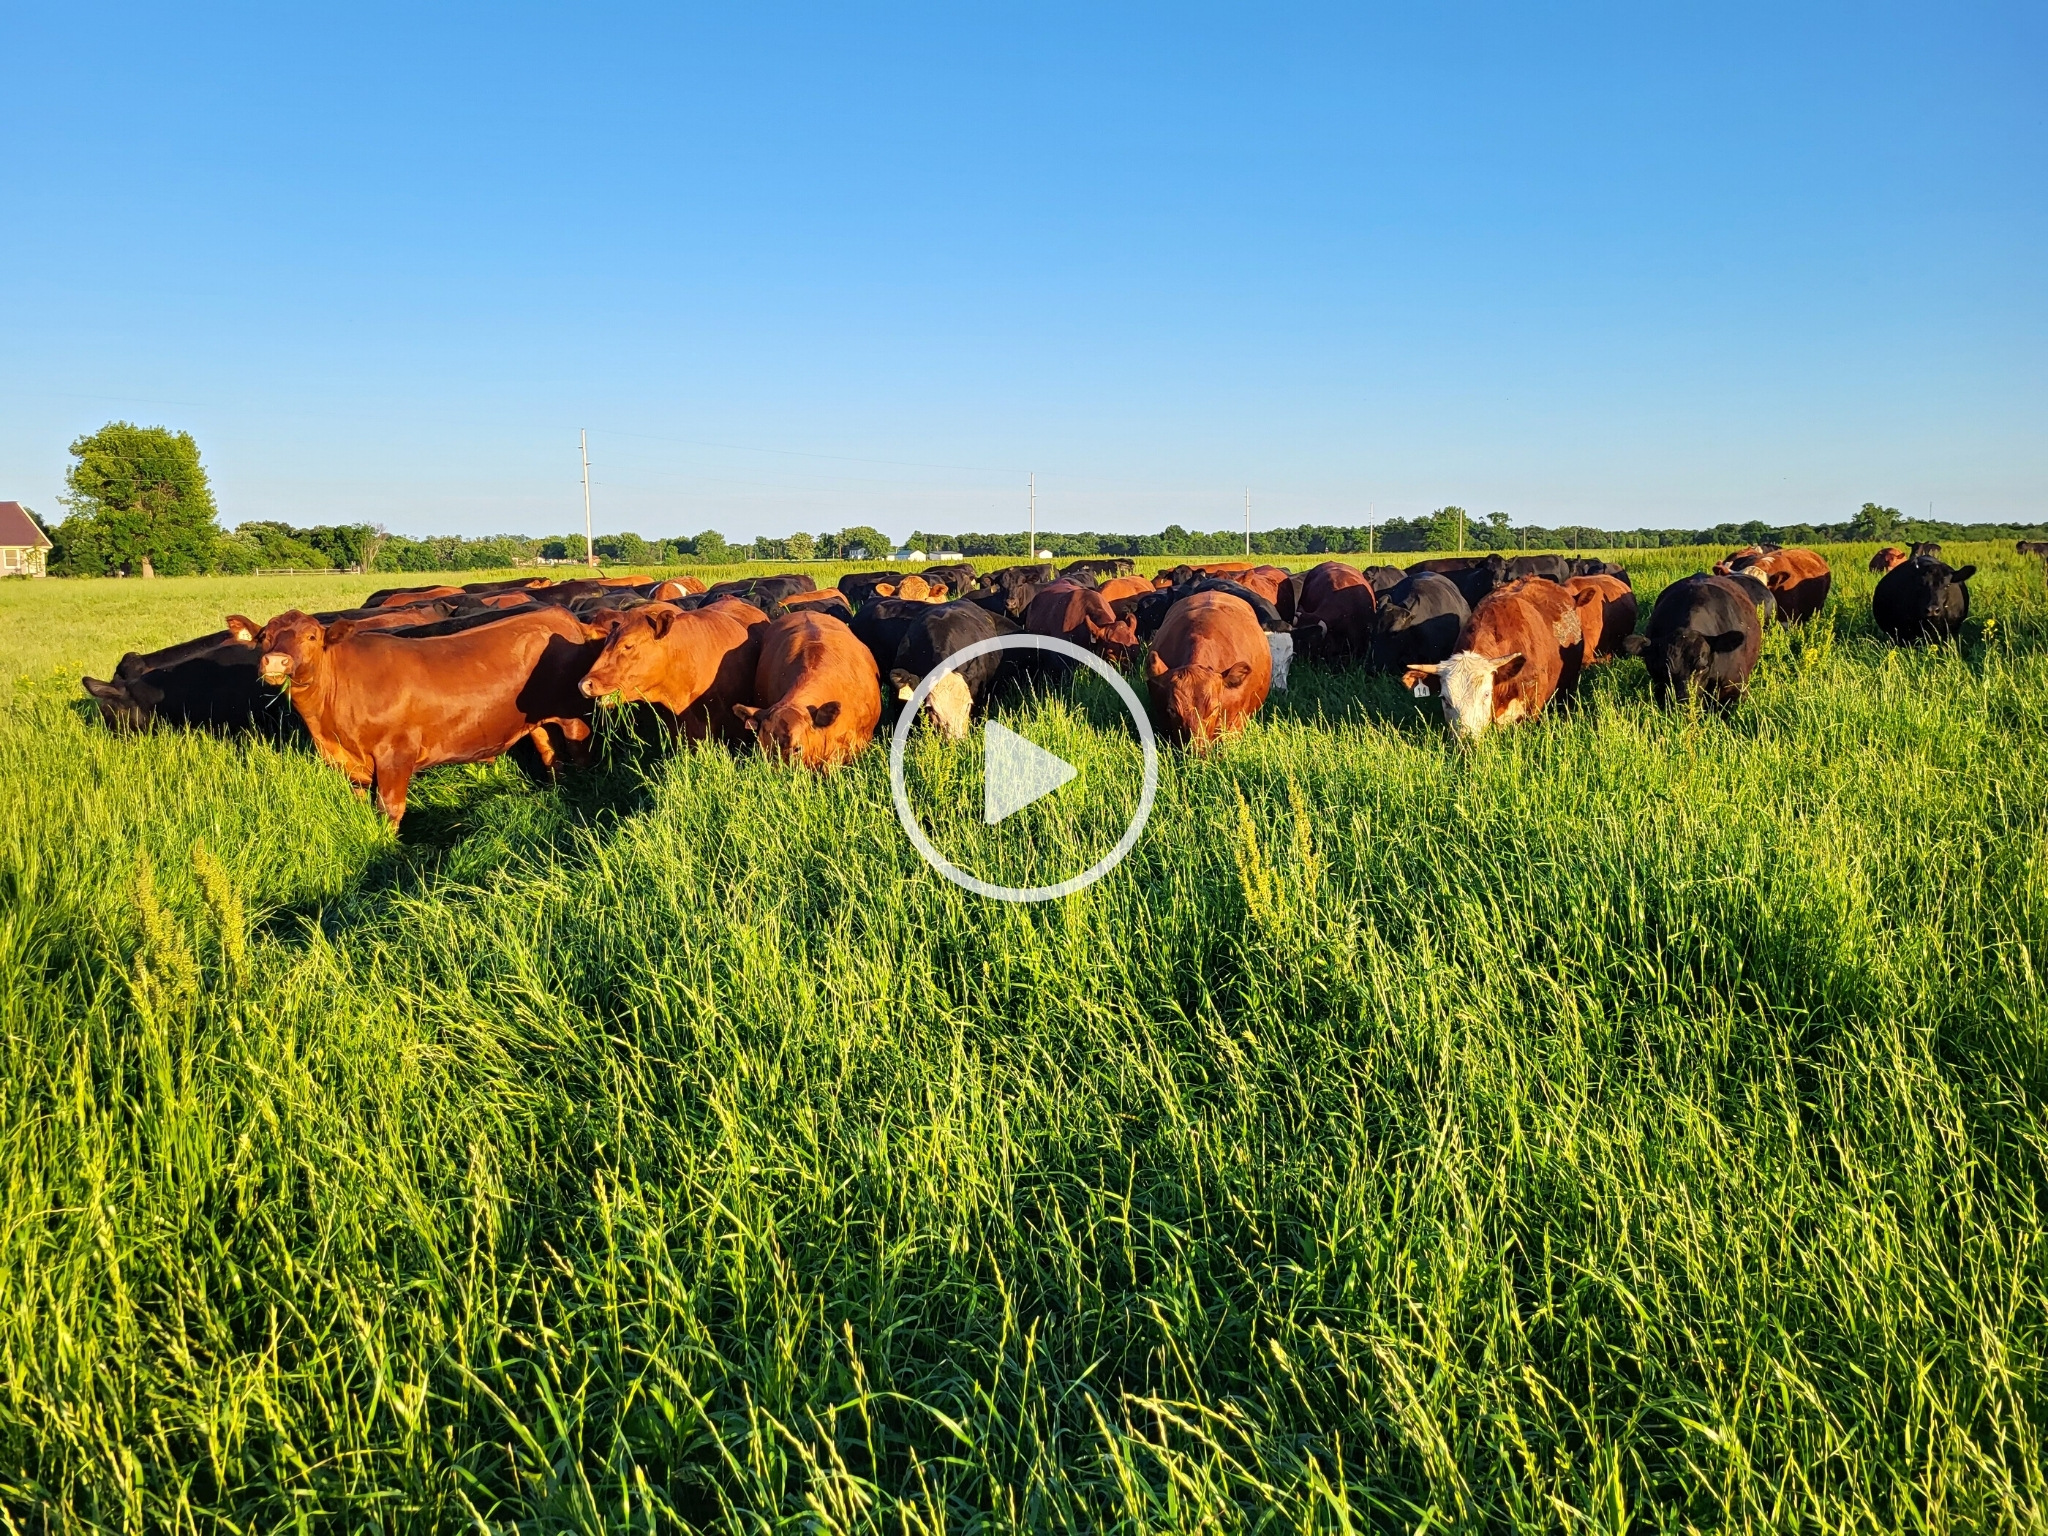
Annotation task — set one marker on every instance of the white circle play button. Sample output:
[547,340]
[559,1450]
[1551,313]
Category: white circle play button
[1018,772]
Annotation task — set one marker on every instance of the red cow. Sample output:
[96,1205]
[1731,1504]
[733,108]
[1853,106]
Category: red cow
[1322,580]
[1210,668]
[381,707]
[1607,621]
[1886,558]
[823,691]
[1798,578]
[1119,587]
[1522,644]
[694,666]
[1072,612]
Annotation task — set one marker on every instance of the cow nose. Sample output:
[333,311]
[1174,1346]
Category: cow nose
[586,690]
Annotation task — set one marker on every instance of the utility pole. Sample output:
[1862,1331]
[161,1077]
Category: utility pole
[1461,530]
[1372,527]
[589,544]
[1032,552]
[1247,520]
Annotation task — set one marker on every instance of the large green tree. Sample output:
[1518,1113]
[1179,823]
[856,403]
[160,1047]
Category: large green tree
[139,502]
[1875,523]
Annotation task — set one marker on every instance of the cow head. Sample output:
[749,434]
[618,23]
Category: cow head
[1468,685]
[1688,654]
[788,730]
[633,651]
[1940,597]
[1191,700]
[1887,558]
[293,644]
[124,706]
[950,703]
[1115,643]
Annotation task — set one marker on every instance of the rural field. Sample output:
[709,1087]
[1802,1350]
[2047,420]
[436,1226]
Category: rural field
[1638,1121]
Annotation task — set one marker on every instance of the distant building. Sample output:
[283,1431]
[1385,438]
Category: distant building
[22,544]
[857,552]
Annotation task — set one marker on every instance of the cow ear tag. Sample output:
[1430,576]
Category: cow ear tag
[1422,690]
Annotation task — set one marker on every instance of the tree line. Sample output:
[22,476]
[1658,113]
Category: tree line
[139,503]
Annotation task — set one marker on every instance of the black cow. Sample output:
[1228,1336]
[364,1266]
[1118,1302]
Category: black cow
[1148,610]
[882,623]
[1473,575]
[1418,623]
[211,683]
[942,630]
[1587,565]
[1383,578]
[754,588]
[1759,592]
[960,579]
[860,587]
[1704,634]
[1922,600]
[2033,547]
[1557,568]
[1924,551]
[1010,590]
[1096,572]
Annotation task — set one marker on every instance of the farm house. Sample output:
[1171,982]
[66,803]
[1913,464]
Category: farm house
[22,543]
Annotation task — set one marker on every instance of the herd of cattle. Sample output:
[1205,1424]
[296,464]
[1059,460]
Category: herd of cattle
[418,677]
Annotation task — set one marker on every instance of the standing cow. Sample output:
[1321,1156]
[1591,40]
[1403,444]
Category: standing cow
[1418,623]
[1521,646]
[1922,600]
[692,666]
[1798,578]
[940,632]
[822,693]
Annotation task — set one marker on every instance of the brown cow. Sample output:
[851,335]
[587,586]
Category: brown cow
[1608,621]
[1523,643]
[1886,558]
[824,692]
[407,596]
[1798,578]
[1348,616]
[676,586]
[381,707]
[1321,580]
[1210,668]
[693,666]
[1119,587]
[1078,614]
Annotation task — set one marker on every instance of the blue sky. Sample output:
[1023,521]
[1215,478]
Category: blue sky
[803,268]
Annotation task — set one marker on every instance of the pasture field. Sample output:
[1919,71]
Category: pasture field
[1635,1122]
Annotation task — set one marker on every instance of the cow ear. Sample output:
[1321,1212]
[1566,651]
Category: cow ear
[822,715]
[885,589]
[242,628]
[1420,680]
[662,620]
[111,692]
[1636,645]
[1727,640]
[1155,665]
[597,631]
[1507,668]
[747,715]
[1966,573]
[337,632]
[1234,678]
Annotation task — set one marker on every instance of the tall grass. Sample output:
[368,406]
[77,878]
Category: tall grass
[1635,1122]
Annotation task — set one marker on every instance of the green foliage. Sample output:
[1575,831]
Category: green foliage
[765,548]
[840,545]
[135,494]
[1611,1127]
[1876,523]
[711,547]
[800,546]
[625,549]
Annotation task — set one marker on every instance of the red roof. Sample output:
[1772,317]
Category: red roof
[18,527]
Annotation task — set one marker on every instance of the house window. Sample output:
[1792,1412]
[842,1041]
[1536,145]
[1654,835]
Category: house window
[13,559]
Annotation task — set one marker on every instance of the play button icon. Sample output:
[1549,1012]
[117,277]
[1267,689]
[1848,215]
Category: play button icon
[1015,772]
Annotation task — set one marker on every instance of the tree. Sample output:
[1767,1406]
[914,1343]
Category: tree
[800,546]
[873,540]
[1446,529]
[712,548]
[139,501]
[1875,523]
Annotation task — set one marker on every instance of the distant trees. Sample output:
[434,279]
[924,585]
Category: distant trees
[1875,524]
[139,502]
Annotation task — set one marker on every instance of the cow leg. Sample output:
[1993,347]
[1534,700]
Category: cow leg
[576,738]
[394,777]
[543,744]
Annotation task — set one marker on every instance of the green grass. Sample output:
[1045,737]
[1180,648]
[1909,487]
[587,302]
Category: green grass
[1633,1123]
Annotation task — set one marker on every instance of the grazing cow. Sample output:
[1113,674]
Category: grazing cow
[1587,565]
[210,683]
[1210,668]
[1148,610]
[913,589]
[1384,578]
[822,692]
[1557,568]
[1272,582]
[1117,588]
[1319,581]
[1101,569]
[1078,614]
[1418,623]
[693,666]
[2033,547]
[1759,592]
[1888,557]
[1473,575]
[404,597]
[880,625]
[1704,634]
[944,631]
[380,707]
[831,601]
[1340,626]
[954,580]
[863,585]
[1798,578]
[1609,620]
[1925,552]
[754,589]
[1922,600]
[1519,648]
